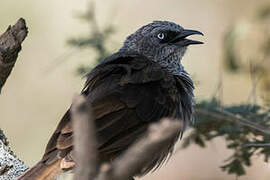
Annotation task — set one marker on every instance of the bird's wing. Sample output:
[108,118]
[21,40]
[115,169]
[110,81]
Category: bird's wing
[126,93]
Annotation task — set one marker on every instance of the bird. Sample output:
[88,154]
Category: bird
[139,84]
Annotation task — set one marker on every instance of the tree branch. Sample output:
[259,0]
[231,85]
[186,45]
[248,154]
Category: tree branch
[257,145]
[142,152]
[10,166]
[10,45]
[221,115]
[86,156]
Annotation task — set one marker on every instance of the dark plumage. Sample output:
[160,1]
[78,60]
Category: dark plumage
[140,84]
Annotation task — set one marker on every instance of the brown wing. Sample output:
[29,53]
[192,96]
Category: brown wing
[126,93]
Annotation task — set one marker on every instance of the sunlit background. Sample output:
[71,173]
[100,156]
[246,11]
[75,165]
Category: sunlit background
[44,80]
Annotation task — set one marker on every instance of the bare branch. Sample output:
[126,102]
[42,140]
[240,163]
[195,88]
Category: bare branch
[257,145]
[10,46]
[138,155]
[222,115]
[86,155]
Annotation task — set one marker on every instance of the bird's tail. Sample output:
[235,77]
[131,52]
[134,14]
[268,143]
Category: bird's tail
[42,171]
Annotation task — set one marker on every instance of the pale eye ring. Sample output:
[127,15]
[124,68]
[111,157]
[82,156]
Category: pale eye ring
[161,36]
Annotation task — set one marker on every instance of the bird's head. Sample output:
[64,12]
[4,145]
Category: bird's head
[161,41]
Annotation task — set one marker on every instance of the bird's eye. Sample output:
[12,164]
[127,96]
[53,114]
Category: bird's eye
[161,36]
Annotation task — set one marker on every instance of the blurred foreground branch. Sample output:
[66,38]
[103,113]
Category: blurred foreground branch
[124,167]
[86,154]
[10,45]
[138,155]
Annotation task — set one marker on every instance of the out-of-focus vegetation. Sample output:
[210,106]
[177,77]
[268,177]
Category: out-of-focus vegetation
[96,40]
[244,127]
[246,50]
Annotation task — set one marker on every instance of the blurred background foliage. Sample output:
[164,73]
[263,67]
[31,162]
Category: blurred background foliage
[97,39]
[245,127]
[247,49]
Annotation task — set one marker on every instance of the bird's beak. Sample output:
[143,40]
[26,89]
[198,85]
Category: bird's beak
[180,39]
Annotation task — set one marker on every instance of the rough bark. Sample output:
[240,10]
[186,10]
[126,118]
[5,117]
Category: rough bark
[10,45]
[10,166]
